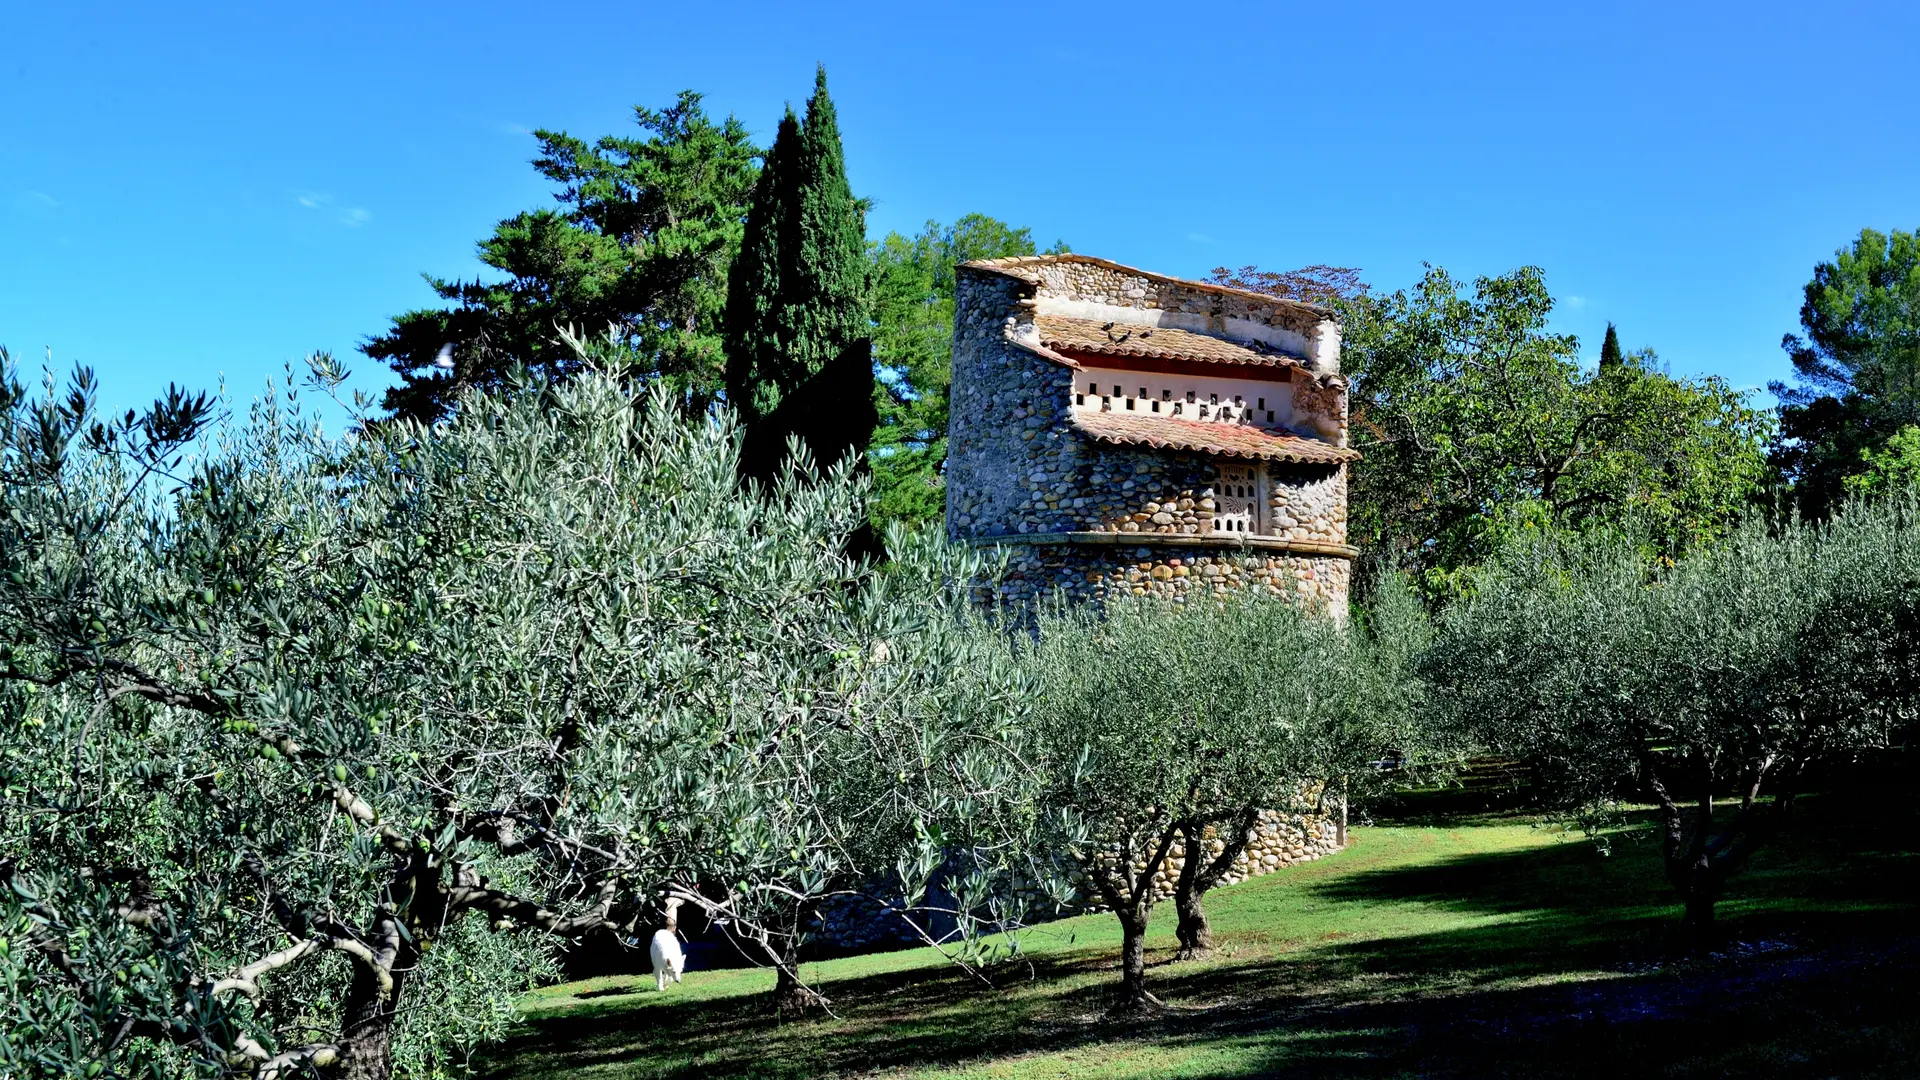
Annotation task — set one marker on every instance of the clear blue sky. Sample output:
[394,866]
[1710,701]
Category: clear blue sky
[188,191]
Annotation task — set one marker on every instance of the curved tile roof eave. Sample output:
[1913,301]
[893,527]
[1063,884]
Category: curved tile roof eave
[1234,441]
[1190,346]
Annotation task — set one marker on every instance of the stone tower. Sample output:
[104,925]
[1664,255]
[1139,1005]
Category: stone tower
[1120,431]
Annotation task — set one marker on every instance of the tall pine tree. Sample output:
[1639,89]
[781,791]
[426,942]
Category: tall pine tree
[797,330]
[1610,355]
[638,243]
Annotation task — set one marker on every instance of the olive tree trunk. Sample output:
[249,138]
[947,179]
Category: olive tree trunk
[366,1044]
[791,997]
[1130,894]
[1197,875]
[1134,998]
[1700,857]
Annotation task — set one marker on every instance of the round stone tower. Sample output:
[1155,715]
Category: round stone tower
[1120,431]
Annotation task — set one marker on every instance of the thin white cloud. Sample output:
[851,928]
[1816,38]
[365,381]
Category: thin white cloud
[351,216]
[1200,238]
[38,203]
[1574,302]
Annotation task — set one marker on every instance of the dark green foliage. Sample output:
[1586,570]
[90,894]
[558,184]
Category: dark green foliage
[828,413]
[798,290]
[753,329]
[1475,422]
[640,242]
[1611,357]
[913,284]
[1857,370]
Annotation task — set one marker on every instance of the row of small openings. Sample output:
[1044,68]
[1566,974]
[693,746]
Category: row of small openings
[1233,524]
[1244,491]
[1106,402]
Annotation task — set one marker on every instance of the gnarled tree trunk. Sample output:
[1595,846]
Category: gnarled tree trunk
[1130,895]
[1195,934]
[1198,874]
[1700,857]
[367,1017]
[1134,999]
[791,997]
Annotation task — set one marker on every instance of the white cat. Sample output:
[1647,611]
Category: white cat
[668,959]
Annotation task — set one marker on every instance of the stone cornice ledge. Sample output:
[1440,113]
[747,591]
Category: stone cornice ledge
[1178,540]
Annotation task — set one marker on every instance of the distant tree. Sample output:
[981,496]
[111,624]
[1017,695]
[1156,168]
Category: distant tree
[311,748]
[1741,667]
[799,306]
[1317,284]
[1473,421]
[913,281]
[639,242]
[1158,722]
[1893,467]
[1857,370]
[1611,356]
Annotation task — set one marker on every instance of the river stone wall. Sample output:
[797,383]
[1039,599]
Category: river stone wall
[1091,572]
[872,919]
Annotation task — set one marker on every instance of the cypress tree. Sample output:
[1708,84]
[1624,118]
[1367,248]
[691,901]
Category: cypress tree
[750,327]
[799,343]
[1610,355]
[797,294]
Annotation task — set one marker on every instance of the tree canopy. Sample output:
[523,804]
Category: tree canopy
[1158,721]
[1857,369]
[1611,355]
[798,289]
[310,750]
[1739,669]
[797,330]
[639,241]
[1474,420]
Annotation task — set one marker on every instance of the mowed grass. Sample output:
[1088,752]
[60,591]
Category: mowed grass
[1470,947]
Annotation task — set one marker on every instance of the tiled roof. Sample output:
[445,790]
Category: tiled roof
[1023,267]
[1159,343]
[1226,440]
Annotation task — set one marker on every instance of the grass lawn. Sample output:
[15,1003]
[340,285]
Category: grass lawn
[1461,947]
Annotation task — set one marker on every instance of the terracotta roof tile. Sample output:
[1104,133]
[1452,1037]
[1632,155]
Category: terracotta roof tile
[1160,343]
[1226,440]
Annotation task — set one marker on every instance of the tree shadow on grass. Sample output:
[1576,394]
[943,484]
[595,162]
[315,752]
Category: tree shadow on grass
[1831,1012]
[1831,911]
[1843,871]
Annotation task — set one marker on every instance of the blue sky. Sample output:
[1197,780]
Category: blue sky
[192,191]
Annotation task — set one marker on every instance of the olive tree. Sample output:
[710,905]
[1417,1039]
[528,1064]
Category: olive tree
[1352,715]
[1164,721]
[309,748]
[1730,673]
